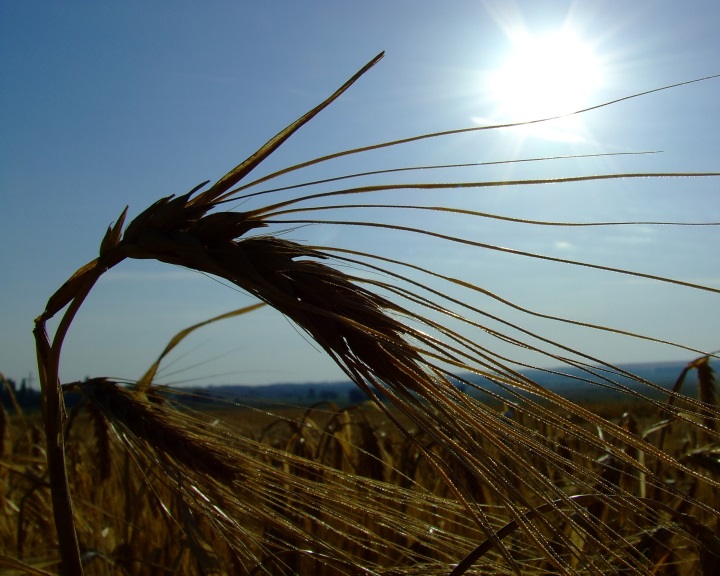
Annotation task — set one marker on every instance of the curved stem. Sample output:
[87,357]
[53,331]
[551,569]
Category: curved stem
[54,415]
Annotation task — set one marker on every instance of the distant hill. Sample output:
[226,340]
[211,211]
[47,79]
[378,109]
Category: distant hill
[570,382]
[577,384]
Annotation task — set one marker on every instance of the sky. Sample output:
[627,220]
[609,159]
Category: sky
[106,105]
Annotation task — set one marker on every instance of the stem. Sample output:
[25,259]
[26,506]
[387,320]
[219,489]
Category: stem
[54,416]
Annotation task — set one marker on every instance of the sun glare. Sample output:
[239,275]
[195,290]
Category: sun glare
[545,76]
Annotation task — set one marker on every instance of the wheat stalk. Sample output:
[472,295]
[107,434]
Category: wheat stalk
[387,347]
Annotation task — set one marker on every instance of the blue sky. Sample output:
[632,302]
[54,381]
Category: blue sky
[104,105]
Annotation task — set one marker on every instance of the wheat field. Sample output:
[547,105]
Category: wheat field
[430,480]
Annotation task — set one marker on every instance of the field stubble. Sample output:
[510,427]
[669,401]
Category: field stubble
[132,519]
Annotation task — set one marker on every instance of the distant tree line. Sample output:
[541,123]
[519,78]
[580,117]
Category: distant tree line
[27,398]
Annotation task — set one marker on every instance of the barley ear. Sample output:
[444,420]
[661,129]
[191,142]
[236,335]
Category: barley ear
[706,390]
[160,232]
[102,442]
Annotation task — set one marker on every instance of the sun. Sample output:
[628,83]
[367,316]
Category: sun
[545,75]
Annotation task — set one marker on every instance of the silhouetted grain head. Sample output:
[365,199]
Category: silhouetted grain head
[412,342]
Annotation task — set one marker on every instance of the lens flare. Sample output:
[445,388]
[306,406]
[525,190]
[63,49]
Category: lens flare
[545,76]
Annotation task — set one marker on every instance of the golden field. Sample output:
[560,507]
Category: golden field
[348,478]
